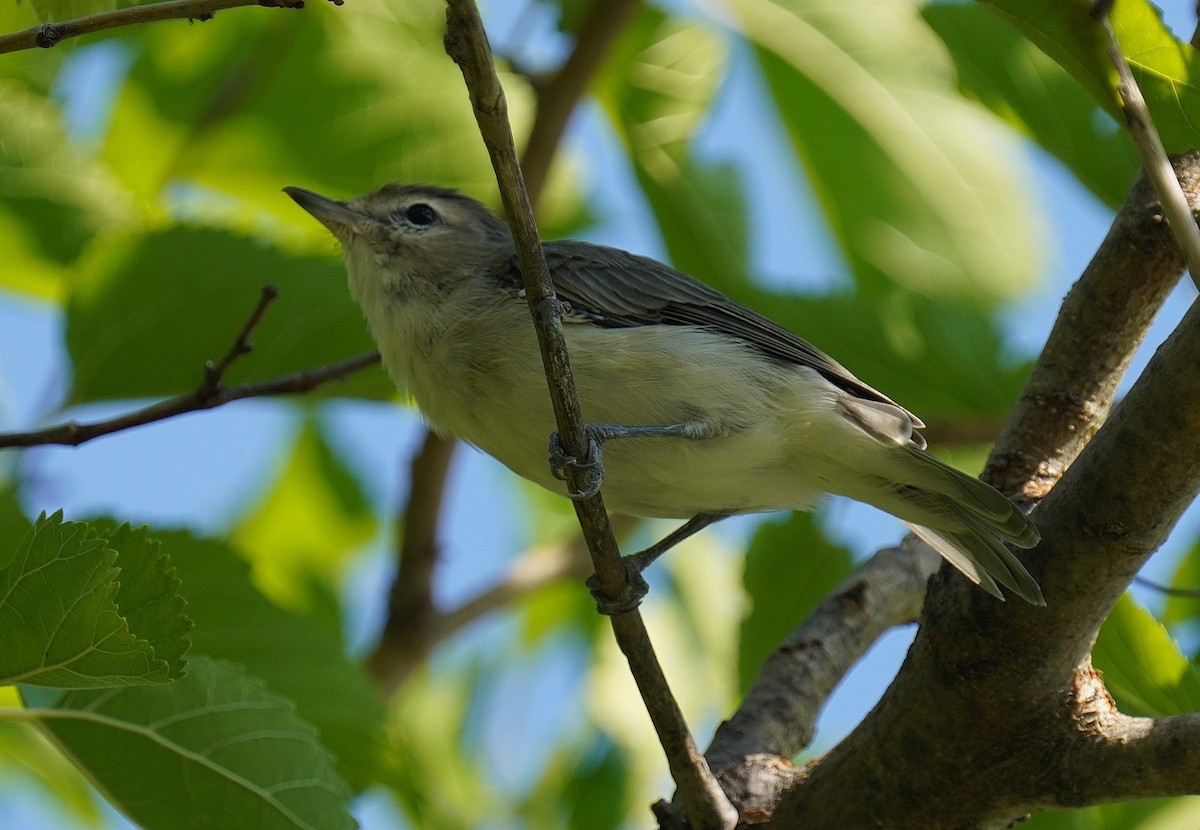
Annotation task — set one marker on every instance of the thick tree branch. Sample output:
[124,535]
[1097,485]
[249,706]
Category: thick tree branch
[467,44]
[46,35]
[209,394]
[999,684]
[1100,325]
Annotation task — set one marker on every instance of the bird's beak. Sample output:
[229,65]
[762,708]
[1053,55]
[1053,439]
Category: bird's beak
[330,213]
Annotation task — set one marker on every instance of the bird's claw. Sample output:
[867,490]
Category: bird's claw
[562,462]
[636,592]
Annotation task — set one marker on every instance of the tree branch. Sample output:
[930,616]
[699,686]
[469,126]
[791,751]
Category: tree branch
[1001,684]
[47,35]
[467,44]
[418,544]
[209,394]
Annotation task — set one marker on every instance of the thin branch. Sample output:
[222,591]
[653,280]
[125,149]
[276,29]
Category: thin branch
[466,42]
[209,394]
[47,35]
[412,626]
[1168,590]
[1154,157]
[408,630]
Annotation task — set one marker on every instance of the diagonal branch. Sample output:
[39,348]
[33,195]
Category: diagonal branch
[47,35]
[209,394]
[466,42]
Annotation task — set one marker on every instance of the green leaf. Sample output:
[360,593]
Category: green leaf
[1184,609]
[215,749]
[339,103]
[310,520]
[148,593]
[1166,70]
[53,198]
[1143,667]
[297,656]
[657,86]
[24,751]
[153,310]
[63,611]
[1149,814]
[790,567]
[921,188]
[1022,85]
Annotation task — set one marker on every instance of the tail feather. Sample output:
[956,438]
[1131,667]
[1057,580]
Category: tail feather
[965,520]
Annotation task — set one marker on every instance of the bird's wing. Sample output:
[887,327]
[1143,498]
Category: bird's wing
[613,288]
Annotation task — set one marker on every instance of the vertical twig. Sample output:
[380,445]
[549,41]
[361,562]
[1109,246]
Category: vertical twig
[466,43]
[1157,166]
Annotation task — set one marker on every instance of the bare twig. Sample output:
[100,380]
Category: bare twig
[209,394]
[466,42]
[409,632]
[1154,157]
[46,35]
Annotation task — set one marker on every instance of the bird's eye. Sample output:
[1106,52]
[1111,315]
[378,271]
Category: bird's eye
[420,214]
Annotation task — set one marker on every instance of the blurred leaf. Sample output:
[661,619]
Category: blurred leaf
[154,309]
[1166,70]
[658,84]
[1021,84]
[53,198]
[921,188]
[657,87]
[438,781]
[1143,667]
[315,514]
[586,789]
[340,103]
[1150,814]
[62,607]
[296,656]
[215,749]
[59,10]
[25,750]
[13,522]
[790,567]
[1177,609]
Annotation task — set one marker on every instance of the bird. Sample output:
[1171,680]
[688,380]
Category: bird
[705,407]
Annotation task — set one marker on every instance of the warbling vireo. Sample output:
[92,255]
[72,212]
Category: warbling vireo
[719,410]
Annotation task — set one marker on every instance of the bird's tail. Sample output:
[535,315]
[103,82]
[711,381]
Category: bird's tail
[962,518]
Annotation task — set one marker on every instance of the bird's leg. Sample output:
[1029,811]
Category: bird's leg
[635,563]
[593,466]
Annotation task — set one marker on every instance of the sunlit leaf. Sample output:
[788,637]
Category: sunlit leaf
[1143,667]
[53,198]
[300,534]
[1149,814]
[1166,69]
[154,309]
[67,620]
[214,749]
[1021,84]
[921,188]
